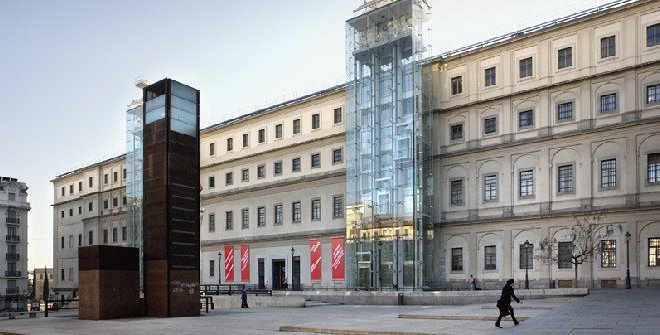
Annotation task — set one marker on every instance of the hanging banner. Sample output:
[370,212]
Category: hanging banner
[229,263]
[315,259]
[338,258]
[245,262]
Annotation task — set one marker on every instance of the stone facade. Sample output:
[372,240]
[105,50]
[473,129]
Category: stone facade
[14,209]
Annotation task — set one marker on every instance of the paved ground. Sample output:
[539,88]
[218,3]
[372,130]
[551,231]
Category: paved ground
[612,311]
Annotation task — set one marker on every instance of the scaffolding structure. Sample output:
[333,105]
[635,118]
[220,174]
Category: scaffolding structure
[389,198]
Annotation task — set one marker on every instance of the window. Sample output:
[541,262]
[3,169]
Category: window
[653,94]
[526,67]
[565,255]
[457,259]
[456,85]
[124,235]
[316,209]
[565,57]
[105,236]
[295,164]
[296,212]
[607,103]
[316,160]
[490,257]
[124,173]
[261,171]
[316,121]
[608,173]
[490,188]
[230,144]
[62,213]
[62,191]
[565,180]
[105,179]
[338,206]
[61,274]
[115,177]
[80,186]
[261,135]
[71,189]
[526,256]
[115,202]
[70,274]
[212,223]
[211,149]
[278,130]
[336,156]
[277,168]
[654,251]
[79,210]
[279,214]
[526,118]
[261,216]
[526,183]
[123,201]
[608,254]
[246,140]
[62,242]
[90,182]
[653,168]
[229,178]
[338,115]
[90,237]
[114,235]
[211,268]
[245,175]
[490,77]
[607,46]
[490,125]
[90,206]
[456,132]
[70,211]
[565,111]
[229,220]
[245,218]
[653,35]
[80,240]
[105,204]
[296,126]
[456,189]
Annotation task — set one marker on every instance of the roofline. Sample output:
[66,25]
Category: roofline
[70,173]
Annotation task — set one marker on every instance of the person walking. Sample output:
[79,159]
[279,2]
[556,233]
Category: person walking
[504,304]
[472,282]
[285,283]
[244,303]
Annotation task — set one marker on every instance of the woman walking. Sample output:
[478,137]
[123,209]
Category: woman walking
[504,304]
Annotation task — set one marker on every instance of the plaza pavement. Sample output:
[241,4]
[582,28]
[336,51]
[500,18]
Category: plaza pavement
[606,311]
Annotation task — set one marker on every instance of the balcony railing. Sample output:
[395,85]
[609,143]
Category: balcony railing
[12,256]
[11,290]
[12,273]
[13,220]
[13,238]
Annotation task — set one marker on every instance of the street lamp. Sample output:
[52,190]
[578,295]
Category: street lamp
[526,264]
[219,266]
[627,260]
[293,252]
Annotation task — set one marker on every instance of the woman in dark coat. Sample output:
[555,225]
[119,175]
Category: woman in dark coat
[504,304]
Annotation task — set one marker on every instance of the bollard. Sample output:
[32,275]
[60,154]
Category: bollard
[400,298]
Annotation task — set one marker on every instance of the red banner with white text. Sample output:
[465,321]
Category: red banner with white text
[338,258]
[229,263]
[315,259]
[245,262]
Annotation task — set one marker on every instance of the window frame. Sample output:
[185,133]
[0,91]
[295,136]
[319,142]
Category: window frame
[608,254]
[656,94]
[296,164]
[296,127]
[315,209]
[565,61]
[653,40]
[612,176]
[278,168]
[490,258]
[316,121]
[567,253]
[212,149]
[278,214]
[211,222]
[616,103]
[456,259]
[456,84]
[608,47]
[530,256]
[652,168]
[490,79]
[530,120]
[529,186]
[315,160]
[261,135]
[245,218]
[334,156]
[279,131]
[338,116]
[486,130]
[337,206]
[454,195]
[487,193]
[211,181]
[261,171]
[653,244]
[452,138]
[229,220]
[562,189]
[246,140]
[526,67]
[558,114]
[261,216]
[229,178]
[230,144]
[296,212]
[245,175]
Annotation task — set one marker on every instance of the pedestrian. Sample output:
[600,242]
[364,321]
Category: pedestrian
[472,282]
[13,309]
[244,303]
[285,284]
[504,304]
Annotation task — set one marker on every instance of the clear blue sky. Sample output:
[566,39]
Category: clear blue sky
[67,68]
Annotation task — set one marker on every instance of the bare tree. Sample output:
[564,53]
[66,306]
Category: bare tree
[584,236]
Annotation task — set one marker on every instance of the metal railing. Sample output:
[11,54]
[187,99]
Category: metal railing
[12,273]
[13,220]
[12,256]
[13,238]
[229,289]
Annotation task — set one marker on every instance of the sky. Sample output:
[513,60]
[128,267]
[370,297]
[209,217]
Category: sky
[68,68]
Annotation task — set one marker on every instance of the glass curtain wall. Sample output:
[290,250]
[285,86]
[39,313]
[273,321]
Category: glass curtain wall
[387,143]
[134,174]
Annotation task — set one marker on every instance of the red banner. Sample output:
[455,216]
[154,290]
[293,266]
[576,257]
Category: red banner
[315,259]
[245,262]
[229,263]
[337,258]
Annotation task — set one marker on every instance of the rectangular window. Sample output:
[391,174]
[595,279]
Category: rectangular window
[229,178]
[608,254]
[490,77]
[62,242]
[61,274]
[526,256]
[230,144]
[123,201]
[565,255]
[115,202]
[90,181]
[456,132]
[80,186]
[279,214]
[565,57]
[229,220]
[457,197]
[608,173]
[338,115]
[607,103]
[62,191]
[211,149]
[456,85]
[653,35]
[79,210]
[526,183]
[526,67]
[296,126]
[654,251]
[277,168]
[295,164]
[278,130]
[653,168]
[457,259]
[211,268]
[105,179]
[62,213]
[316,121]
[261,171]
[245,175]
[90,237]
[565,111]
[105,236]
[338,206]
[490,257]
[80,240]
[336,156]
[123,174]
[70,211]
[490,187]
[71,189]
[565,178]
[261,216]
[124,235]
[105,204]
[115,177]
[526,118]
[70,274]
[316,160]
[296,213]
[212,223]
[90,206]
[653,94]
[246,140]
[114,235]
[608,46]
[490,125]
[245,218]
[261,135]
[316,209]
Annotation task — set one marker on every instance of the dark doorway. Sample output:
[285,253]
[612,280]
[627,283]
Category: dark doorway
[279,271]
[261,273]
[295,281]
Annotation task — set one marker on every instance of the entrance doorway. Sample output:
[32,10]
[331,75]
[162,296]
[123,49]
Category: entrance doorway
[261,273]
[278,271]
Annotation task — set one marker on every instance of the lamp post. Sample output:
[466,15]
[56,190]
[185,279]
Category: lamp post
[627,260]
[526,264]
[219,267]
[293,252]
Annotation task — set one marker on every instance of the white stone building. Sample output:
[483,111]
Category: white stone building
[14,209]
